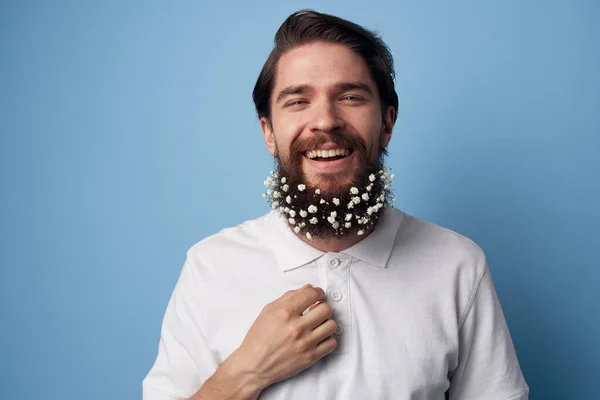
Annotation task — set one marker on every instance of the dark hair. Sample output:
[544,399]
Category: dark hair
[308,26]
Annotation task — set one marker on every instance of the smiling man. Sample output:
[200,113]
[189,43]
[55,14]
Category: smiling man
[334,294]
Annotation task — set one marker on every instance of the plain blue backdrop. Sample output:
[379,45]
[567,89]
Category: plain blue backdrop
[128,134]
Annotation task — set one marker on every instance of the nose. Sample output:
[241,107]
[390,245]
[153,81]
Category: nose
[326,119]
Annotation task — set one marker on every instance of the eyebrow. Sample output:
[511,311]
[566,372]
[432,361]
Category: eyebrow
[341,86]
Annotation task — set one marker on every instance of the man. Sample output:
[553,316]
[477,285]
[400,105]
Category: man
[334,294]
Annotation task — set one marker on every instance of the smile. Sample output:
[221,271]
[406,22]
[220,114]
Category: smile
[330,155]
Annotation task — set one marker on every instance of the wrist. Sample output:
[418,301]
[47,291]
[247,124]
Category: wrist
[237,382]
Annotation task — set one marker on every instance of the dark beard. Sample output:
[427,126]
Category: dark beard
[364,214]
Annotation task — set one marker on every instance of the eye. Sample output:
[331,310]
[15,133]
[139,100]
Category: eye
[351,97]
[296,103]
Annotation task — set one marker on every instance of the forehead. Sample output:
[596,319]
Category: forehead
[321,65]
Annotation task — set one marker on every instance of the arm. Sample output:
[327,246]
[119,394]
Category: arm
[488,367]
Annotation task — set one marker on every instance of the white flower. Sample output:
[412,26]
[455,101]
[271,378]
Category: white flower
[372,177]
[347,224]
[287,209]
[285,187]
[331,220]
[283,180]
[303,213]
[318,191]
[292,213]
[308,236]
[292,221]
[370,210]
[365,196]
[336,201]
[387,186]
[288,199]
[393,199]
[275,204]
[296,229]
[333,214]
[360,232]
[335,225]
[264,195]
[302,224]
[356,199]
[312,209]
[392,176]
[313,220]
[353,190]
[269,192]
[322,201]
[351,205]
[301,187]
[277,195]
[348,217]
[369,188]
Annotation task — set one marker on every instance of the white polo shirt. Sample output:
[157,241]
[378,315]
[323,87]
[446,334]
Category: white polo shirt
[416,307]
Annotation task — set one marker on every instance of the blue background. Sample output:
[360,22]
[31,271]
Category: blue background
[128,134]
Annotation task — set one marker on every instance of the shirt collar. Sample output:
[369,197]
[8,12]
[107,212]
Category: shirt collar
[375,249]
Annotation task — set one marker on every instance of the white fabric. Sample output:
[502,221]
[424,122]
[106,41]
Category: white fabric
[416,303]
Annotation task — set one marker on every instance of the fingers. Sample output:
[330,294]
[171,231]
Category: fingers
[305,297]
[320,313]
[323,331]
[326,347]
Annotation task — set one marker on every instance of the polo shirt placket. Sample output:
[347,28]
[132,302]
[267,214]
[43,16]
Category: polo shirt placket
[337,268]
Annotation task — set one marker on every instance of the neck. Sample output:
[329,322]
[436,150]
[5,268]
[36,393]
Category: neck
[334,244]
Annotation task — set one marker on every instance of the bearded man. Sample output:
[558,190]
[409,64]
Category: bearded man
[334,294]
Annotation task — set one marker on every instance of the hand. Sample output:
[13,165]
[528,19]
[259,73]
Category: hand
[282,341]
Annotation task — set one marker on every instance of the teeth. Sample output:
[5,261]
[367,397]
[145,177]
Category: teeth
[327,153]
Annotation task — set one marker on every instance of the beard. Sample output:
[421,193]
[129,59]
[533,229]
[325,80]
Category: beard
[327,207]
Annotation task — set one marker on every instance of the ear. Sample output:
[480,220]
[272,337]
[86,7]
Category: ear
[267,131]
[388,125]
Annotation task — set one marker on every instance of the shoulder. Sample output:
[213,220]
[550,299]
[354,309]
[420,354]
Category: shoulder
[435,247]
[233,243]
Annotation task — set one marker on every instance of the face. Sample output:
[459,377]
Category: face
[326,117]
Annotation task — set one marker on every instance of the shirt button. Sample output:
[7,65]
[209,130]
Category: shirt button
[336,296]
[339,330]
[334,263]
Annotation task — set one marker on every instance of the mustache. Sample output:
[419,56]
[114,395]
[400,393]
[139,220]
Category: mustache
[344,141]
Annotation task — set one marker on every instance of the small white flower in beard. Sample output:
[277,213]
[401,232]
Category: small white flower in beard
[277,195]
[283,180]
[292,221]
[292,213]
[322,201]
[297,229]
[393,199]
[372,178]
[285,187]
[370,210]
[312,209]
[336,201]
[289,200]
[264,195]
[302,224]
[392,176]
[331,220]
[335,225]
[348,217]
[347,225]
[308,236]
[350,205]
[303,213]
[360,232]
[333,214]
[356,199]
[301,187]
[313,220]
[353,190]
[318,191]
[369,188]
[365,196]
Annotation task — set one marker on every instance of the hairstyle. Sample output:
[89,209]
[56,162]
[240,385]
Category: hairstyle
[308,26]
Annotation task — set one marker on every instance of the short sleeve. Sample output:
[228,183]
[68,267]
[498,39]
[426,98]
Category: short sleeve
[184,360]
[487,363]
